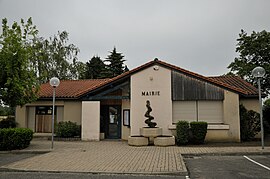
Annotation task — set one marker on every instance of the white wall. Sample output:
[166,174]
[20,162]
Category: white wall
[151,80]
[125,129]
[231,115]
[90,120]
[72,111]
[31,117]
[60,113]
[251,104]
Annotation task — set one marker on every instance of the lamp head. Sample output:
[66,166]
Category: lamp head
[258,72]
[54,82]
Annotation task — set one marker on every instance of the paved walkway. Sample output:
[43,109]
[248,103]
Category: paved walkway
[118,157]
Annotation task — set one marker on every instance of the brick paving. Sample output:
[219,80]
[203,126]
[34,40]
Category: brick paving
[102,157]
[118,157]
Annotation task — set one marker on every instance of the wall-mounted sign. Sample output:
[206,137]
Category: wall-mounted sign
[150,93]
[126,121]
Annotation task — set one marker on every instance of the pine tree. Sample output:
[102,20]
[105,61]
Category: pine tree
[116,63]
[95,68]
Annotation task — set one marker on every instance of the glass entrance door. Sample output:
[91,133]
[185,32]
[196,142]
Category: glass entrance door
[114,122]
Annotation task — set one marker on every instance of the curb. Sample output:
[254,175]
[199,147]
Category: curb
[25,152]
[178,173]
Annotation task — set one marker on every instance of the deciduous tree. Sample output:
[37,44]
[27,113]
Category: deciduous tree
[55,57]
[254,50]
[17,79]
[27,60]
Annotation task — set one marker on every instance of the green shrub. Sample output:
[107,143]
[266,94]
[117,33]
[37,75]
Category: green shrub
[198,130]
[15,138]
[266,116]
[182,132]
[249,123]
[68,129]
[6,111]
[8,123]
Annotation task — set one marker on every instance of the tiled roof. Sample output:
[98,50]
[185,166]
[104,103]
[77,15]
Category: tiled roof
[77,88]
[70,88]
[204,78]
[219,83]
[238,83]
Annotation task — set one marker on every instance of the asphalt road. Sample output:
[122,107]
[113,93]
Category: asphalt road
[232,167]
[9,157]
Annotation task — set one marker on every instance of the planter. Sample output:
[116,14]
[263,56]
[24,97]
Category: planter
[137,141]
[151,132]
[164,141]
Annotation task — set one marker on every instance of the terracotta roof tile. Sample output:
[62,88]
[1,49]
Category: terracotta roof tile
[204,78]
[77,88]
[70,88]
[238,83]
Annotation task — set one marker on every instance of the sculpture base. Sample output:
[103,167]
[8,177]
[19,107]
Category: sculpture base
[164,141]
[151,132]
[137,141]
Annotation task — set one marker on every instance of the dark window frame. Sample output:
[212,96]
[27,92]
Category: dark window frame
[45,110]
[126,117]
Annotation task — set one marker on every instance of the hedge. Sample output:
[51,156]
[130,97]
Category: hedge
[68,129]
[182,132]
[8,123]
[198,130]
[15,138]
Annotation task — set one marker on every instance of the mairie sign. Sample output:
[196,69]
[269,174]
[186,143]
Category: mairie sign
[150,93]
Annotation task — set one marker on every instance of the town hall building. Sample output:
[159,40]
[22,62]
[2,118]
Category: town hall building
[114,108]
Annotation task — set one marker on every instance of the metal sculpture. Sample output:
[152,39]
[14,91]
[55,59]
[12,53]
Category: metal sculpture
[149,119]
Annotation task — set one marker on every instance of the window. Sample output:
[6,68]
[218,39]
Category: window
[184,111]
[208,111]
[44,110]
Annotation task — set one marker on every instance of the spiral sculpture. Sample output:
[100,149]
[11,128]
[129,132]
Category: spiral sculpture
[149,117]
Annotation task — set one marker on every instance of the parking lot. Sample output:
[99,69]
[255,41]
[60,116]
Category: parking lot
[250,166]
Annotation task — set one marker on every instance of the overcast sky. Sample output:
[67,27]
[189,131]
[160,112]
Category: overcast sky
[199,36]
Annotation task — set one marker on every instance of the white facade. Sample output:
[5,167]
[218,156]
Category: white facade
[91,120]
[153,85]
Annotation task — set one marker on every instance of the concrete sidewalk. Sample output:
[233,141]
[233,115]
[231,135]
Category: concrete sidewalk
[118,157]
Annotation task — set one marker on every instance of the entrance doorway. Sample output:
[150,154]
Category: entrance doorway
[44,119]
[110,121]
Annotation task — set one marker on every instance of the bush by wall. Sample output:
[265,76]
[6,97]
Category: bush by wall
[15,138]
[6,111]
[182,132]
[8,123]
[198,130]
[68,129]
[249,123]
[266,116]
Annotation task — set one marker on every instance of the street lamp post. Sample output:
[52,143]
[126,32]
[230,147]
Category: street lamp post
[259,72]
[54,82]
